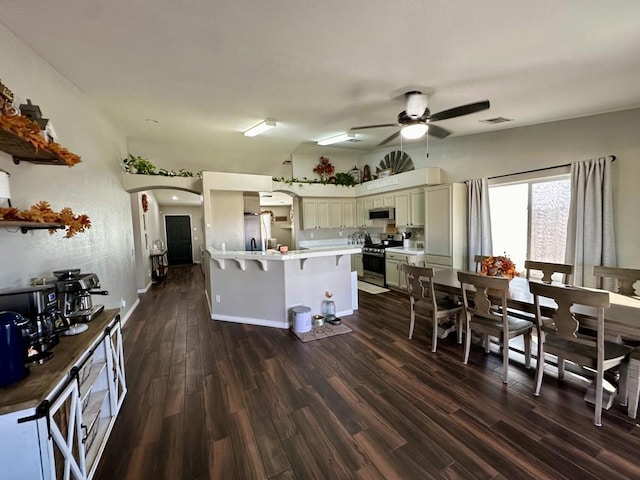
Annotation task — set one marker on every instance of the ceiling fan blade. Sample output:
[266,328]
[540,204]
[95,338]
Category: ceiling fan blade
[364,127]
[460,111]
[438,132]
[389,138]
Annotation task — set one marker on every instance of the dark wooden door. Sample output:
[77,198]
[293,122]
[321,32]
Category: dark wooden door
[178,228]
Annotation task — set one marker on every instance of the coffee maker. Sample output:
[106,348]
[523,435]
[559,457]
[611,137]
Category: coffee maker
[39,305]
[74,296]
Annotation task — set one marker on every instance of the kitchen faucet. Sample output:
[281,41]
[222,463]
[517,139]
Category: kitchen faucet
[254,246]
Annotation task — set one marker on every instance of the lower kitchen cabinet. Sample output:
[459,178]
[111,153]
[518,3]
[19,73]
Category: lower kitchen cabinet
[394,275]
[356,264]
[55,423]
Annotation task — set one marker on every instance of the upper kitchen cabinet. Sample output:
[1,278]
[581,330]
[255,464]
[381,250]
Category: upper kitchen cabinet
[315,213]
[363,205]
[342,213]
[446,227]
[410,209]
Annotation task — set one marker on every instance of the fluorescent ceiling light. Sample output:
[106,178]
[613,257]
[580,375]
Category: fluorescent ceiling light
[414,131]
[260,128]
[337,139]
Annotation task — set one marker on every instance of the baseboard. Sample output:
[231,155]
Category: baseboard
[261,322]
[145,289]
[124,318]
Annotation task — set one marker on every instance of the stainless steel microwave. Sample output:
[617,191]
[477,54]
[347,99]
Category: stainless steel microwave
[382,213]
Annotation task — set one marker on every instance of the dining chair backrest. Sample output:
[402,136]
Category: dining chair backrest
[626,278]
[480,300]
[565,323]
[420,283]
[479,259]
[548,269]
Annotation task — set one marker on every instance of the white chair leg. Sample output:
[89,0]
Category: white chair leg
[486,344]
[459,321]
[505,360]
[467,343]
[623,392]
[434,341]
[413,317]
[539,367]
[527,350]
[598,413]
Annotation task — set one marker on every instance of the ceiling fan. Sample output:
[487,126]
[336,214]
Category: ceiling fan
[416,119]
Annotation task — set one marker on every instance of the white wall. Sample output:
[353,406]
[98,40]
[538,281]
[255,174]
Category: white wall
[520,149]
[92,187]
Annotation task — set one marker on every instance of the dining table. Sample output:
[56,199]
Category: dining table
[621,322]
[622,318]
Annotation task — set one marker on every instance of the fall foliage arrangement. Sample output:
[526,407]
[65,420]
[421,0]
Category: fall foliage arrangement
[29,131]
[41,212]
[499,266]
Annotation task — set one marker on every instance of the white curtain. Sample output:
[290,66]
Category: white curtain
[590,232]
[479,221]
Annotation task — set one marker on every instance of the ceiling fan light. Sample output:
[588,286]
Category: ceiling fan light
[260,128]
[417,130]
[416,104]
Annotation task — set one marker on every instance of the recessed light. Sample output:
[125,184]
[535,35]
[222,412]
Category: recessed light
[174,198]
[151,120]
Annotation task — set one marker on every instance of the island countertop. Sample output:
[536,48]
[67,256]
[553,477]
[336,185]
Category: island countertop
[290,255]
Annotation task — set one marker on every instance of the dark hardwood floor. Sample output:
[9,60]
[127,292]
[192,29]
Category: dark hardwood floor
[216,400]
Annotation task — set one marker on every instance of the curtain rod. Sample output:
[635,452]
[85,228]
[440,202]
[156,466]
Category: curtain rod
[613,159]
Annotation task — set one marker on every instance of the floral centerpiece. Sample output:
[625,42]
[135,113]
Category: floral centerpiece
[499,266]
[325,168]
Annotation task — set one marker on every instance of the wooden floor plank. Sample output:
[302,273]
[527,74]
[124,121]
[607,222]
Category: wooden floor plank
[216,400]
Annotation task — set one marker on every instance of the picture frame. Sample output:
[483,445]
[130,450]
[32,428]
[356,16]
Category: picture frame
[385,173]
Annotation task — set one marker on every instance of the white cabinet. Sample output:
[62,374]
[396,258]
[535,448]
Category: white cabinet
[394,274]
[410,208]
[56,422]
[363,206]
[315,213]
[356,264]
[341,213]
[446,228]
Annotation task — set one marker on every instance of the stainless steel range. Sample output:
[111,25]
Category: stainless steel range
[373,261]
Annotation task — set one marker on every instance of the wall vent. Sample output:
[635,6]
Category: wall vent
[495,120]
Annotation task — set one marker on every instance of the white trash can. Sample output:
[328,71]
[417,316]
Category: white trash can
[301,319]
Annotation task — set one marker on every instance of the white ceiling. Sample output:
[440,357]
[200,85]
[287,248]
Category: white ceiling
[207,70]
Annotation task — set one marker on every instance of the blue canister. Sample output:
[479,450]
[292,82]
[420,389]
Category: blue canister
[12,349]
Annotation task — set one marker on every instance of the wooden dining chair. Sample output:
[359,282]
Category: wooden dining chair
[440,309]
[548,269]
[479,259]
[626,278]
[562,339]
[486,316]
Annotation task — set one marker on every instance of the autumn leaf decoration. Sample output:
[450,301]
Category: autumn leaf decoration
[29,131]
[41,212]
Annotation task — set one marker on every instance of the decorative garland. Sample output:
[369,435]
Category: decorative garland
[41,212]
[29,131]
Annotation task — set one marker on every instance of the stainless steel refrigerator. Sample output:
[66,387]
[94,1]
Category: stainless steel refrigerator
[257,230]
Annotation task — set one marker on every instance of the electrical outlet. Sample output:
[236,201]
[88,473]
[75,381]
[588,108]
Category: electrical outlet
[217,298]
[123,303]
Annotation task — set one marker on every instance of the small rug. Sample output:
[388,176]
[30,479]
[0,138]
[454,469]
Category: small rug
[326,330]
[370,288]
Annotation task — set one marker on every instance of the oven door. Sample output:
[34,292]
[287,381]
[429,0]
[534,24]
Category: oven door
[373,269]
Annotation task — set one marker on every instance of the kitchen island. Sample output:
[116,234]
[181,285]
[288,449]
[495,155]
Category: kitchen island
[261,288]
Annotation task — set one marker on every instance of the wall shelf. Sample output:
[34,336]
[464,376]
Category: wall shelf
[22,151]
[26,226]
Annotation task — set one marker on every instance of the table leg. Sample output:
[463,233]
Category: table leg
[633,384]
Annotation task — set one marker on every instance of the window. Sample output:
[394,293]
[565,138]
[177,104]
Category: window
[529,219]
